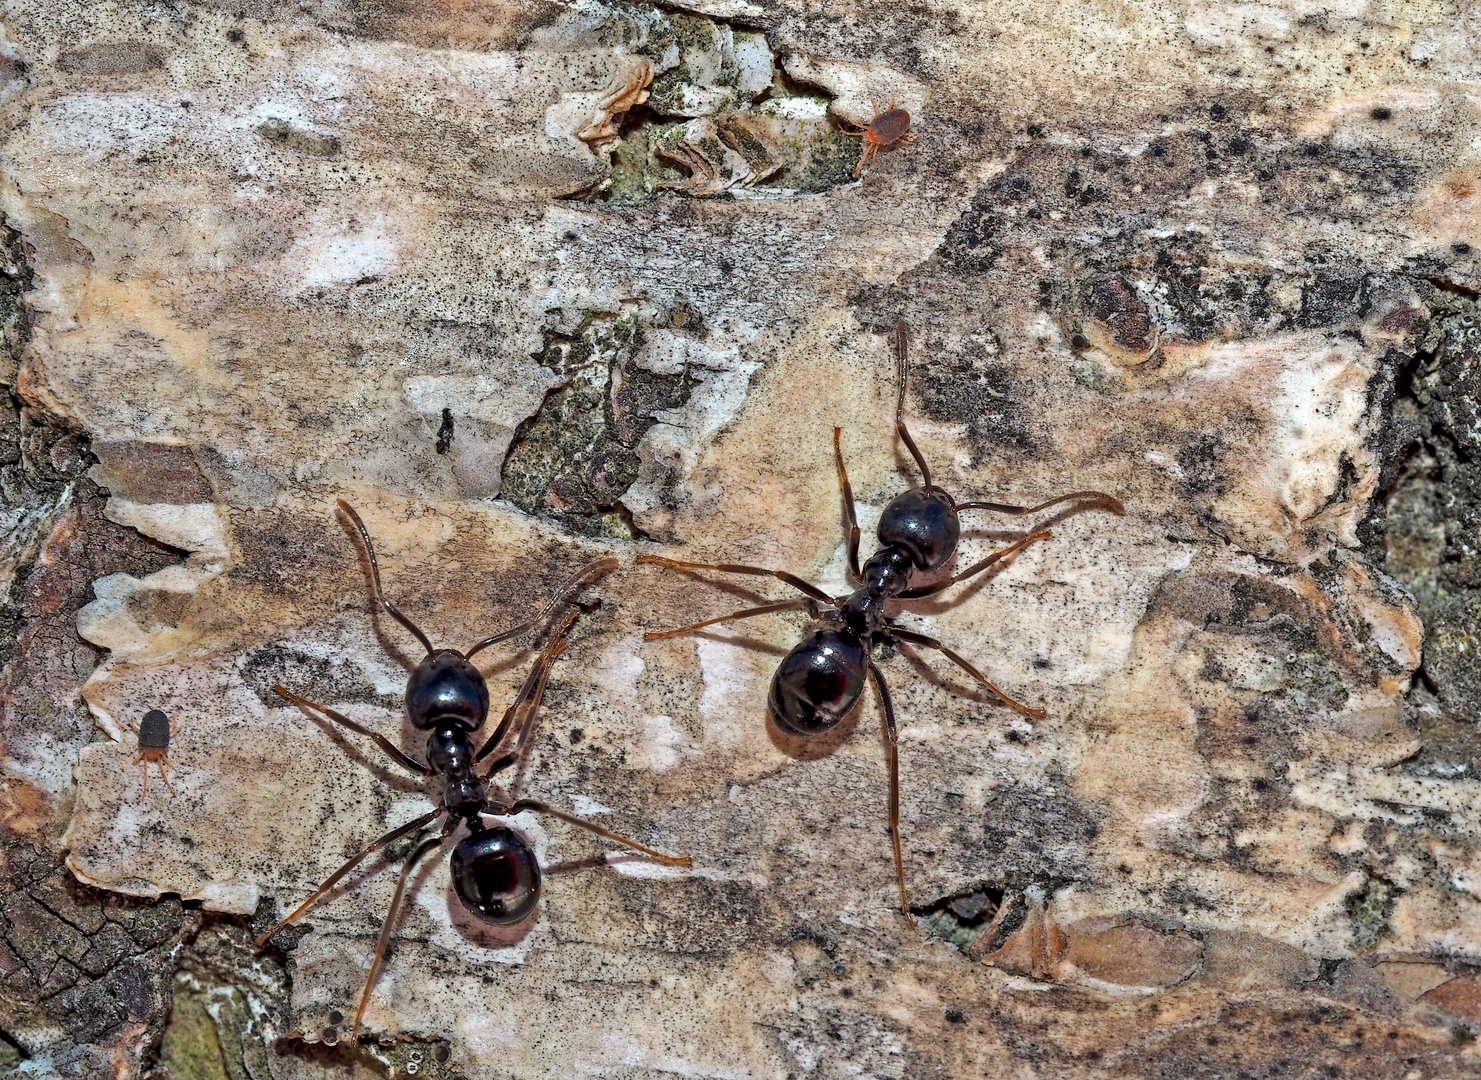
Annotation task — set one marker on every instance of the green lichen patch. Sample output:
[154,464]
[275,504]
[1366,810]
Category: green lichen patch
[576,457]
[1369,911]
[1425,530]
[191,1049]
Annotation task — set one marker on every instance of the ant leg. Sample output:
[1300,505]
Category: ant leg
[531,694]
[387,926]
[160,761]
[931,643]
[731,568]
[334,878]
[533,688]
[850,519]
[975,568]
[765,609]
[543,808]
[375,573]
[1092,499]
[902,349]
[892,752]
[588,574]
[340,718]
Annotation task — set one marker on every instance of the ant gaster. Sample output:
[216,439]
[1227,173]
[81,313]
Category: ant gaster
[821,680]
[494,870]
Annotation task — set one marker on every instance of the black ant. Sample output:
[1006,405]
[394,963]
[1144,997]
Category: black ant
[494,870]
[822,679]
[154,745]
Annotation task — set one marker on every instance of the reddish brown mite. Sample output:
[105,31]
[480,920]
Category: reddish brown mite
[887,129]
[154,745]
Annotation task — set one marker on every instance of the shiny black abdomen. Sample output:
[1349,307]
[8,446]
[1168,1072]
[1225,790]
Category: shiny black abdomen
[924,524]
[496,876]
[446,690]
[818,682]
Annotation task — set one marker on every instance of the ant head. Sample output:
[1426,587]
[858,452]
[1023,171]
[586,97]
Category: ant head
[446,690]
[496,876]
[923,523]
[817,683]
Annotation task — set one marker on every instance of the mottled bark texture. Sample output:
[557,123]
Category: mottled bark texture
[530,283]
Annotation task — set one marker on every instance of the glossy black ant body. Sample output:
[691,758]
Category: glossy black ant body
[494,870]
[821,680]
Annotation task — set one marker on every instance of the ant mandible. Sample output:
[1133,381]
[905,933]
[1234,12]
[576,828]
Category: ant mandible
[822,679]
[494,870]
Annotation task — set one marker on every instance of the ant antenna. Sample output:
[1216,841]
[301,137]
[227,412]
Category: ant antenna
[589,574]
[902,349]
[375,573]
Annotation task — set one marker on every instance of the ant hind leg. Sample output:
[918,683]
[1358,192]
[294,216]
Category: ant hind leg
[892,752]
[960,661]
[334,878]
[387,927]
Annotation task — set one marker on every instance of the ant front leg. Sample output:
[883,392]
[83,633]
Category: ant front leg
[902,353]
[850,519]
[526,705]
[340,718]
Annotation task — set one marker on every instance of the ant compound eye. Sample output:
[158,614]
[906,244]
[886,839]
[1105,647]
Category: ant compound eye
[496,876]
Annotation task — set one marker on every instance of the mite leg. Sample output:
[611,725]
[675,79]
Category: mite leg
[850,519]
[745,613]
[580,823]
[334,878]
[732,568]
[892,752]
[340,718]
[386,927]
[588,574]
[375,573]
[162,761]
[955,658]
[138,758]
[532,691]
[902,351]
[975,568]
[1092,500]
